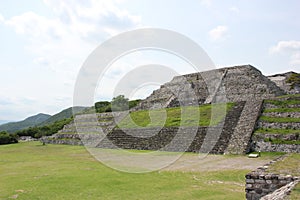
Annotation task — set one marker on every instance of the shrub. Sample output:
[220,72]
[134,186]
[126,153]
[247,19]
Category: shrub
[118,103]
[294,79]
[6,138]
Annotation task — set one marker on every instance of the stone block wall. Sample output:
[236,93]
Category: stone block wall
[286,138]
[167,138]
[260,183]
[269,147]
[282,192]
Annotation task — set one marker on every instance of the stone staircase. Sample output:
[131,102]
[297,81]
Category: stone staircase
[87,129]
[93,123]
[240,140]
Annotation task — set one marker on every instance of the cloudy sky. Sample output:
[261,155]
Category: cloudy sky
[44,43]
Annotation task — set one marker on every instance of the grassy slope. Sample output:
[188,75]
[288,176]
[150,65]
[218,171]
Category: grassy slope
[295,195]
[32,171]
[289,165]
[179,116]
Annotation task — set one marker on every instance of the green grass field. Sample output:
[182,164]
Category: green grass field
[179,116]
[289,165]
[33,171]
[295,195]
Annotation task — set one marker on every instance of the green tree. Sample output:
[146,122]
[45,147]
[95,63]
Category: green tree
[47,130]
[134,103]
[102,106]
[119,103]
[6,138]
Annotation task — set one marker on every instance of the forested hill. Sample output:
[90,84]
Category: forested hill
[67,113]
[40,120]
[26,123]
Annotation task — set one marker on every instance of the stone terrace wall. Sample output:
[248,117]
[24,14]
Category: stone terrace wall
[158,138]
[259,183]
[281,193]
[260,145]
[176,139]
[263,141]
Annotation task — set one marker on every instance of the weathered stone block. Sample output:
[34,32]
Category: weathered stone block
[260,181]
[249,181]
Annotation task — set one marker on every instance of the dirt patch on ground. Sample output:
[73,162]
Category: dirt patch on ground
[168,161]
[216,162]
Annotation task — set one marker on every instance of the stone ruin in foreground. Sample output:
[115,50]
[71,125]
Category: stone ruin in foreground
[244,85]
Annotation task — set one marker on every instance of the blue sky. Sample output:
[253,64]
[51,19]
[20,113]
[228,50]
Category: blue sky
[44,43]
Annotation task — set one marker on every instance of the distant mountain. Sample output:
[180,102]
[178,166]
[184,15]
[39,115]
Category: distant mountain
[40,120]
[3,122]
[26,123]
[67,113]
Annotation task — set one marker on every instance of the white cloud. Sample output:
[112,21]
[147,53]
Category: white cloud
[63,42]
[60,44]
[283,46]
[77,28]
[1,18]
[206,3]
[218,33]
[291,47]
[234,9]
[295,59]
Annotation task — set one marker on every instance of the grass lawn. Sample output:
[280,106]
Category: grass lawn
[295,195]
[288,166]
[33,171]
[179,116]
